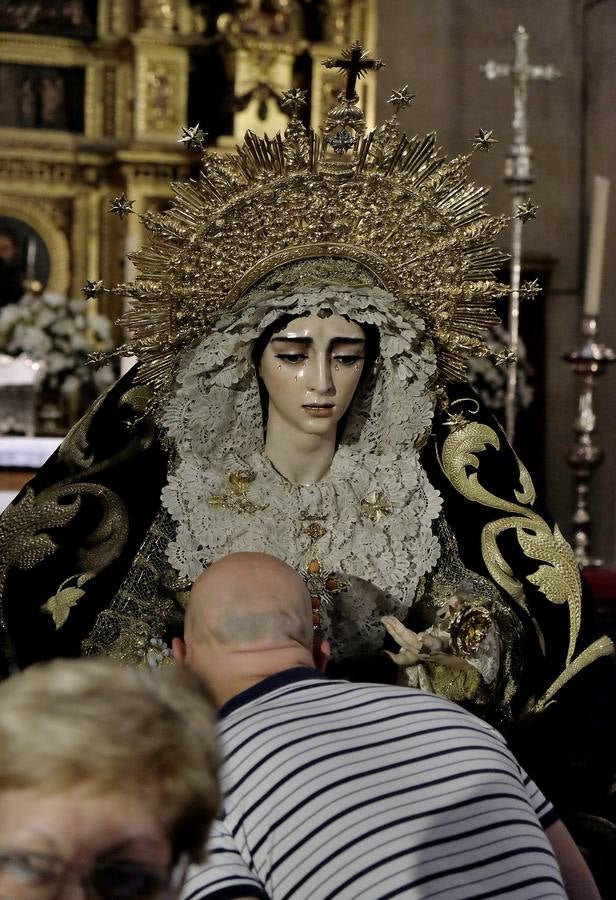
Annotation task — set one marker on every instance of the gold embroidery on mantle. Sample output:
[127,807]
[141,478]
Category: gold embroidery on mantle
[603,646]
[25,541]
[558,576]
[60,605]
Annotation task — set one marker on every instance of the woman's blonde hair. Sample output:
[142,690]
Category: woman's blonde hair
[96,725]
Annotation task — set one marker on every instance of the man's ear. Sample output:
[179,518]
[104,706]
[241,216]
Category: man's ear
[179,651]
[322,654]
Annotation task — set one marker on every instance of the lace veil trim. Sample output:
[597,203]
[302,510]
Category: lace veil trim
[214,422]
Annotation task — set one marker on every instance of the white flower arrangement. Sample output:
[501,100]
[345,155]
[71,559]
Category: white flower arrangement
[59,332]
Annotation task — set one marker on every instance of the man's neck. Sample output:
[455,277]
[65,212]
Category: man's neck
[251,670]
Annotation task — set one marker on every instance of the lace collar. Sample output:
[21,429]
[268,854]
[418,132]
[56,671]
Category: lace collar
[368,522]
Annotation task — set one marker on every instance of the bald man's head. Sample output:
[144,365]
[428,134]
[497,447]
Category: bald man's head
[249,617]
[250,600]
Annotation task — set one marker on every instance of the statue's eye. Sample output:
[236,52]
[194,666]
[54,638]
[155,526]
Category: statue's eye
[348,360]
[292,358]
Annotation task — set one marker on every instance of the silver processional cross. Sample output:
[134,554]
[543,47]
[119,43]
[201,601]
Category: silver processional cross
[518,175]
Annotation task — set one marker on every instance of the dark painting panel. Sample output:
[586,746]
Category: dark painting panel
[24,260]
[60,18]
[48,97]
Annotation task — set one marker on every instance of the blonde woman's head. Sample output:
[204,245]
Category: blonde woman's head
[96,757]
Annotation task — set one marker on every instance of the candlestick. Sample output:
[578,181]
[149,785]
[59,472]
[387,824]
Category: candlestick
[596,245]
[585,457]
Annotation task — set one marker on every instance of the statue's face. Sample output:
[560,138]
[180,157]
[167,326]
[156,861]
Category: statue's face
[311,369]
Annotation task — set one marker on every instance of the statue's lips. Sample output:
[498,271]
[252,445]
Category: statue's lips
[321,410]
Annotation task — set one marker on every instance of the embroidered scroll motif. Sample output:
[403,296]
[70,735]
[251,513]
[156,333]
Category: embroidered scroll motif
[25,538]
[557,576]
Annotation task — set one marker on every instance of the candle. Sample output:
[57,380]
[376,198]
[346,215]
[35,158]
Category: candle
[30,258]
[596,245]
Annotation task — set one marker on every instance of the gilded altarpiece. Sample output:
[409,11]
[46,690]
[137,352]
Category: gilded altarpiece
[95,94]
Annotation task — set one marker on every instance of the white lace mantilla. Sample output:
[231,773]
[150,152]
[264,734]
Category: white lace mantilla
[376,504]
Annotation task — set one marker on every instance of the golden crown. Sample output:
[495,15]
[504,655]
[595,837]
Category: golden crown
[408,216]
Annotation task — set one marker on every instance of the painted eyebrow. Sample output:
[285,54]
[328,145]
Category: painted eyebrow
[309,340]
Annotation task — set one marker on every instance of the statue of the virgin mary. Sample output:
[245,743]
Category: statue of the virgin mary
[302,322]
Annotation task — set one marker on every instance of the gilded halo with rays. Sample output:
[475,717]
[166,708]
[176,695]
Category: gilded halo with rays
[407,215]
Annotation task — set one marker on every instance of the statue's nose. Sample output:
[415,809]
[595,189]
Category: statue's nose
[321,375]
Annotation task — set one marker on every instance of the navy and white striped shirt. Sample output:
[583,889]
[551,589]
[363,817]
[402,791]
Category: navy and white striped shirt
[333,789]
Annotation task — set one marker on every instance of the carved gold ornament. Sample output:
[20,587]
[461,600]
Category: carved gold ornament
[293,101]
[193,138]
[92,289]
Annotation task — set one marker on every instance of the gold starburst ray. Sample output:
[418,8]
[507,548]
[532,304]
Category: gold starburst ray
[462,200]
[400,150]
[419,150]
[484,261]
[426,171]
[183,217]
[363,152]
[214,190]
[483,321]
[191,195]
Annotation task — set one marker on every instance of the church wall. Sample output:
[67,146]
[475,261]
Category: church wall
[438,46]
[599,140]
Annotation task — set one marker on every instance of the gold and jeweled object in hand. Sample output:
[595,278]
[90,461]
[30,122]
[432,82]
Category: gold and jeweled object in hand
[467,629]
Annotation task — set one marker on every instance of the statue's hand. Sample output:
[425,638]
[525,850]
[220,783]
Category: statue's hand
[409,641]
[435,639]
[449,659]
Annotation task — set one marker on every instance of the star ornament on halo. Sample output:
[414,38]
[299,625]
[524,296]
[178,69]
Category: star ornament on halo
[293,100]
[505,357]
[401,99]
[530,289]
[92,289]
[526,210]
[483,140]
[193,137]
[121,206]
